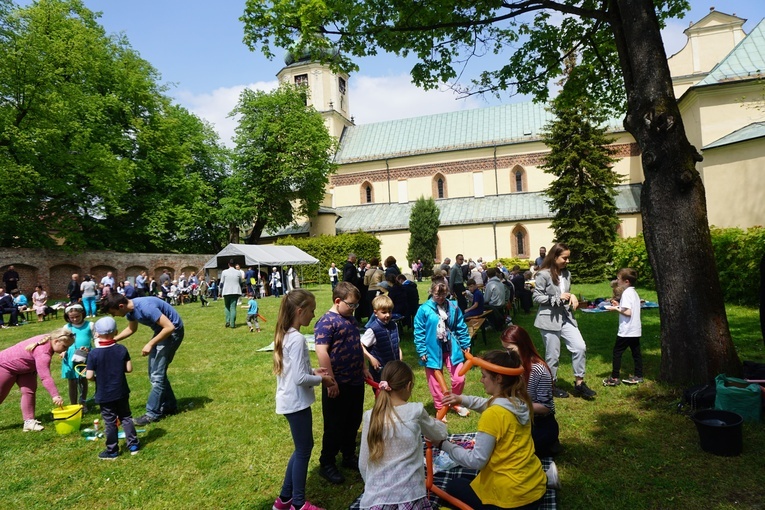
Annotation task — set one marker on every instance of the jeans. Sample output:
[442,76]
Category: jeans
[89,303]
[229,303]
[161,398]
[110,411]
[574,343]
[293,487]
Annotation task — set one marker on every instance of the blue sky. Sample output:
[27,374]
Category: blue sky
[197,47]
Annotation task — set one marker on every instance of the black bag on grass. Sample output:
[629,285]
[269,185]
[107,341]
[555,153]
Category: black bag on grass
[699,397]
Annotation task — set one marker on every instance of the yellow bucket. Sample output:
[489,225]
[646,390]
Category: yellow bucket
[67,419]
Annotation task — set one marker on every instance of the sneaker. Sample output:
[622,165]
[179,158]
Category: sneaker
[105,455]
[144,420]
[583,391]
[632,380]
[306,506]
[559,393]
[282,505]
[553,480]
[611,381]
[462,411]
[331,474]
[250,330]
[32,426]
[351,463]
[134,449]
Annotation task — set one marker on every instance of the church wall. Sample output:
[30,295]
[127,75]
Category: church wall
[725,109]
[734,182]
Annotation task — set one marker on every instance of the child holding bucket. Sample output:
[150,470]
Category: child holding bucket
[21,364]
[294,393]
[391,446]
[108,364]
[83,339]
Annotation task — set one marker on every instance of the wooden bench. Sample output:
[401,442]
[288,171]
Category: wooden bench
[478,322]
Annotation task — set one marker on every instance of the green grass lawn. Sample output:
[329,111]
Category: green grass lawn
[228,449]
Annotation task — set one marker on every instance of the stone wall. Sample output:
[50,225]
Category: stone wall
[53,269]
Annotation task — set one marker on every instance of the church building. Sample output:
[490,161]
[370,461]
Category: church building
[482,166]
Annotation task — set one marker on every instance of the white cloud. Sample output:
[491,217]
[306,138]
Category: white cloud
[381,98]
[215,106]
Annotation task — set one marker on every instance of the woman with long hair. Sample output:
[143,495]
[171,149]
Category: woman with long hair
[539,385]
[555,318]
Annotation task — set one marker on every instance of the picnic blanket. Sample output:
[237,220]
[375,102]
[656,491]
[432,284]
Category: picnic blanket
[644,305]
[440,479]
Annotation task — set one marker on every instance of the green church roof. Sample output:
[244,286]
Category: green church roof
[750,132]
[468,129]
[745,61]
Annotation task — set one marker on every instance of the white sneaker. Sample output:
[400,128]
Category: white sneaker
[553,481]
[462,411]
[32,426]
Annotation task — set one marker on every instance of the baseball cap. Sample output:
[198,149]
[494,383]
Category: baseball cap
[106,326]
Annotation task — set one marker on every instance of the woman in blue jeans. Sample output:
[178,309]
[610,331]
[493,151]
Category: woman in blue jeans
[89,292]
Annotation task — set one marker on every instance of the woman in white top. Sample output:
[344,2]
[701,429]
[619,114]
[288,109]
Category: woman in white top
[294,393]
[391,448]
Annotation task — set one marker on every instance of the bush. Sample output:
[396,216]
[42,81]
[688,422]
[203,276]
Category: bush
[524,264]
[330,249]
[737,256]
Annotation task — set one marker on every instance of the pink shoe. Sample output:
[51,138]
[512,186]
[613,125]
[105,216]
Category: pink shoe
[307,506]
[282,505]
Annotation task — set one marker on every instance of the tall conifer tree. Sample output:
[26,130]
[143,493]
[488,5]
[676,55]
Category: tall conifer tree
[424,223]
[583,193]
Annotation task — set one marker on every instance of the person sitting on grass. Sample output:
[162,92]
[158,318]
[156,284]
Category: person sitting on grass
[510,475]
[476,308]
[380,341]
[390,460]
[630,329]
[107,365]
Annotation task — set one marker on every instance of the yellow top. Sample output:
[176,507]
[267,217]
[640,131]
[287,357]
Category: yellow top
[513,476]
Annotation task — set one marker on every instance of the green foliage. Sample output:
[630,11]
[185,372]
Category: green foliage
[446,36]
[424,222]
[737,256]
[281,161]
[582,195]
[631,252]
[335,249]
[509,263]
[91,150]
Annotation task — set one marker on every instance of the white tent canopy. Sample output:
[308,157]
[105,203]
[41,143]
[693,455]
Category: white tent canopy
[256,255]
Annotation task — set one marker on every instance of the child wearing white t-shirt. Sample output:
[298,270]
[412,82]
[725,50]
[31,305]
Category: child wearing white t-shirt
[630,329]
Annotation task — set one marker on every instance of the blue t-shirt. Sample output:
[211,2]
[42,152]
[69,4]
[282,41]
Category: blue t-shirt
[342,337]
[148,310]
[477,298]
[109,365]
[253,307]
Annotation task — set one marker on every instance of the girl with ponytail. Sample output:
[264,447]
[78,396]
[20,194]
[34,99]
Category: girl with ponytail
[391,447]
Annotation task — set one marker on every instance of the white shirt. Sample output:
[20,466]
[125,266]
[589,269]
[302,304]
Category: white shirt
[294,386]
[630,327]
[399,476]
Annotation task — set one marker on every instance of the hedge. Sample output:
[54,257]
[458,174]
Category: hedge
[737,255]
[330,249]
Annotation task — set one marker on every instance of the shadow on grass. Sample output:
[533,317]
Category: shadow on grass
[188,404]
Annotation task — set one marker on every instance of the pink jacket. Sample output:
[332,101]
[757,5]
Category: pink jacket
[17,361]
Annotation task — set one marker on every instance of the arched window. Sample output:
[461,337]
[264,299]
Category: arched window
[439,186]
[367,193]
[518,179]
[519,243]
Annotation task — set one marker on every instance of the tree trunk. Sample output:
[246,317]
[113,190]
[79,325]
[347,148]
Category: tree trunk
[695,340]
[233,233]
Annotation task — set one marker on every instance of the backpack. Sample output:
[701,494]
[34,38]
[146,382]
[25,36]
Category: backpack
[698,397]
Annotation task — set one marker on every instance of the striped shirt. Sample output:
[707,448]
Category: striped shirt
[540,386]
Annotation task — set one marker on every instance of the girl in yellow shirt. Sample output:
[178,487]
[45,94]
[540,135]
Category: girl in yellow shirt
[510,476]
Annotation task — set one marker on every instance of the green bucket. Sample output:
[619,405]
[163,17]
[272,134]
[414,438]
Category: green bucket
[67,419]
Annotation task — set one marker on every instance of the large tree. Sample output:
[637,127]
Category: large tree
[92,153]
[424,222]
[282,160]
[621,54]
[583,193]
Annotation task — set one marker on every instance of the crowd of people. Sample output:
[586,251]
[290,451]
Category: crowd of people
[517,425]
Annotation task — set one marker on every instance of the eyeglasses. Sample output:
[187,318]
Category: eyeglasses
[352,306]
